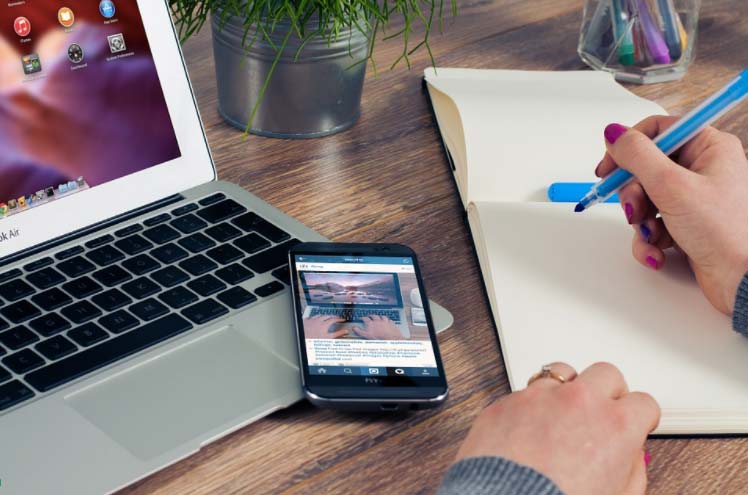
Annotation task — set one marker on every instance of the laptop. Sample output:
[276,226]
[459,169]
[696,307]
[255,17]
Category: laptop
[144,305]
[353,297]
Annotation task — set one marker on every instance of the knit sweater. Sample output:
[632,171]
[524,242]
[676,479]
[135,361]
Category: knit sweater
[499,476]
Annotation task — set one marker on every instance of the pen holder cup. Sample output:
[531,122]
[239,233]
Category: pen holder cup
[640,41]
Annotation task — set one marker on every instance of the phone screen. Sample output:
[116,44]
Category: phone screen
[363,318]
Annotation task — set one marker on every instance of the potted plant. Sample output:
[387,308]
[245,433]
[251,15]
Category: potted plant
[295,68]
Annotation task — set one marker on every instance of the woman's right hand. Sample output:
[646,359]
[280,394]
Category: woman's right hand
[701,196]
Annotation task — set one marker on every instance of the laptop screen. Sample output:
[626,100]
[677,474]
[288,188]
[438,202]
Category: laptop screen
[81,103]
[342,288]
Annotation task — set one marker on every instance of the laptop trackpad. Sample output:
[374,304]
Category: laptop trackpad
[174,399]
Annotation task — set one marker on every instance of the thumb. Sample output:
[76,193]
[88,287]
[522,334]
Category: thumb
[662,178]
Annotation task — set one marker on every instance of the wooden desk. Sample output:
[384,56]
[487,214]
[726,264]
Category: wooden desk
[387,180]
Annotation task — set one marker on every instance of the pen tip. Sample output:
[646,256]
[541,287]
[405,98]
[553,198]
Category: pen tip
[579,208]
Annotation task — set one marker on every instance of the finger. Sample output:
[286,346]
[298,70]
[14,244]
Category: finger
[661,177]
[637,483]
[606,166]
[358,331]
[654,232]
[636,205]
[605,378]
[338,333]
[642,411]
[648,255]
[567,372]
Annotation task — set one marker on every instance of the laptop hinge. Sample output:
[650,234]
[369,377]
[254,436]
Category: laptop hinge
[57,241]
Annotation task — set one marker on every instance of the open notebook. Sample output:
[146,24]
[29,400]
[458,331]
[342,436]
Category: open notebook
[563,286]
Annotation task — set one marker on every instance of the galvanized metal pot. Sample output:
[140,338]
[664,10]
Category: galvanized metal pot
[316,94]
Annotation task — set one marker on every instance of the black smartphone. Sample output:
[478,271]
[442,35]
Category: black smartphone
[366,336]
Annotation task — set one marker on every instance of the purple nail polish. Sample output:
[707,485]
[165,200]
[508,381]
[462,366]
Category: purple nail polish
[613,132]
[629,210]
[645,232]
[652,262]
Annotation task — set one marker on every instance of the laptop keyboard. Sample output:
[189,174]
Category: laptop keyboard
[86,307]
[357,314]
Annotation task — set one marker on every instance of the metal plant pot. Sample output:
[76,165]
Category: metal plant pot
[315,95]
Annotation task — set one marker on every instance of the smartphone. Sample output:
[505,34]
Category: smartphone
[359,346]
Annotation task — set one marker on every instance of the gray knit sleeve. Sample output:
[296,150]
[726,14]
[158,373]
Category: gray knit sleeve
[740,313]
[495,476]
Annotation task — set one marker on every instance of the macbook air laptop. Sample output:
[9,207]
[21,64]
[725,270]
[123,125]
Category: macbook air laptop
[353,297]
[144,309]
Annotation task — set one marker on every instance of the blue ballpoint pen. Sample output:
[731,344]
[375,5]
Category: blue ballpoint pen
[674,137]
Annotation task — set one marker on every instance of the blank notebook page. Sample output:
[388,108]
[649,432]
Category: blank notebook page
[565,287]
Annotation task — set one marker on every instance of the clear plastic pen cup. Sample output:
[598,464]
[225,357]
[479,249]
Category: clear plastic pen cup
[640,41]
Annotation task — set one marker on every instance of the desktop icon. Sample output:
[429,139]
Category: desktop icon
[72,186]
[81,182]
[3,209]
[66,17]
[50,192]
[116,43]
[31,64]
[75,53]
[22,202]
[22,26]
[106,8]
[12,204]
[63,188]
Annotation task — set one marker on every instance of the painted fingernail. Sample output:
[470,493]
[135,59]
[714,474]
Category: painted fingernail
[645,232]
[613,132]
[629,210]
[652,262]
[647,458]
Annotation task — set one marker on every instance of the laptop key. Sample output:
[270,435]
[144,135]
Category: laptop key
[283,274]
[111,300]
[213,198]
[23,361]
[197,242]
[41,263]
[234,274]
[225,254]
[221,211]
[99,241]
[20,311]
[129,230]
[56,348]
[75,267]
[49,324]
[15,290]
[134,244]
[105,255]
[4,375]
[46,278]
[223,232]
[170,276]
[269,289]
[88,334]
[80,312]
[236,297]
[178,297]
[169,253]
[111,276]
[82,287]
[141,264]
[157,220]
[251,222]
[251,243]
[198,265]
[52,299]
[68,253]
[161,234]
[149,309]
[206,285]
[13,393]
[119,321]
[140,288]
[4,277]
[271,258]
[188,224]
[18,337]
[183,210]
[205,311]
[114,349]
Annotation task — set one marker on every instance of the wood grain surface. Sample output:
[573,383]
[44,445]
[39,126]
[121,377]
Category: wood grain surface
[386,179]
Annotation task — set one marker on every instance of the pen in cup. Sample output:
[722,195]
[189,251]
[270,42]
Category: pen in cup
[656,46]
[670,26]
[622,32]
[675,136]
